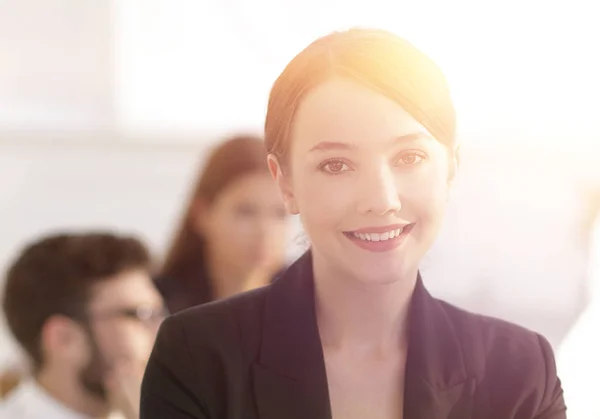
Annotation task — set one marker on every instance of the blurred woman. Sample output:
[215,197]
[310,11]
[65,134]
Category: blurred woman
[233,232]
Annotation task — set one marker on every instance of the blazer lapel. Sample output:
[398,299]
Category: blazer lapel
[437,384]
[290,378]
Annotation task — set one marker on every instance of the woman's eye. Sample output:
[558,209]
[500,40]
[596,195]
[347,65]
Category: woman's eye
[334,167]
[412,157]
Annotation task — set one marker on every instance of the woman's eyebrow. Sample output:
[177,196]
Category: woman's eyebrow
[333,145]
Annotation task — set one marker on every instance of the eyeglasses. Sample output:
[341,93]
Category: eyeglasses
[149,316]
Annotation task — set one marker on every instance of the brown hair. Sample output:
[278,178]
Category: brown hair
[375,58]
[235,158]
[55,276]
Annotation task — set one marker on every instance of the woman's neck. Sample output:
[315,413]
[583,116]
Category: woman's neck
[359,316]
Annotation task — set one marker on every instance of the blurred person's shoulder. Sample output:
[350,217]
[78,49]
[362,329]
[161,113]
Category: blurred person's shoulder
[28,401]
[13,402]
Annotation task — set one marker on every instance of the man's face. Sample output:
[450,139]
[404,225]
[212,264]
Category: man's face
[124,314]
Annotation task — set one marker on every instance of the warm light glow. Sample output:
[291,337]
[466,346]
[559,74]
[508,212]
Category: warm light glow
[521,71]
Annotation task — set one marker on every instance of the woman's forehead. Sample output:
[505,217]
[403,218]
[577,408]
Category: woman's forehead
[343,111]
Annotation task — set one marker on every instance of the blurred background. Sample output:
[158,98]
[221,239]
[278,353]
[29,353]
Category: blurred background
[108,107]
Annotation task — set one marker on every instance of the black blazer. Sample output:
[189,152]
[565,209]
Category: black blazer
[259,355]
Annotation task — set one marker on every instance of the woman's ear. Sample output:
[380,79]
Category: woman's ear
[283,183]
[453,163]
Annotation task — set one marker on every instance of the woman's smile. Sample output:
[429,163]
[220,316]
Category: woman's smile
[380,239]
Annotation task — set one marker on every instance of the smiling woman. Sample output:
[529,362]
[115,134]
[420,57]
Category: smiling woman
[360,131]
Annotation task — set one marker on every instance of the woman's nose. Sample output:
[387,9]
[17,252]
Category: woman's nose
[379,193]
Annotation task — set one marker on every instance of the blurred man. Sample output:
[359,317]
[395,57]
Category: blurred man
[85,310]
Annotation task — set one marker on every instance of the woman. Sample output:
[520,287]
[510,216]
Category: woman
[233,233]
[360,134]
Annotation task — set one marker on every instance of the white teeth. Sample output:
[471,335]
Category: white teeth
[376,237]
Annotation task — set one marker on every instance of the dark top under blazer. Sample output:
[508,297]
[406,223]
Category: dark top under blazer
[259,355]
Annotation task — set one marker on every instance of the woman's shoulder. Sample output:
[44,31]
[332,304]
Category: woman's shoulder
[225,323]
[196,349]
[490,333]
[509,362]
[502,354]
[508,367]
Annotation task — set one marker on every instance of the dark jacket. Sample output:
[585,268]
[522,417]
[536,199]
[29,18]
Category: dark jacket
[187,290]
[259,355]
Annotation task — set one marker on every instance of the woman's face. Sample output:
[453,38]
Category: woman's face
[246,227]
[369,182]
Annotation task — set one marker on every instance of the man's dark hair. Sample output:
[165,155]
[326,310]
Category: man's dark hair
[55,276]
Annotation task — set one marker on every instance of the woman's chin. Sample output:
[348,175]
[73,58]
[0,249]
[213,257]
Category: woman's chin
[386,268]
[387,275]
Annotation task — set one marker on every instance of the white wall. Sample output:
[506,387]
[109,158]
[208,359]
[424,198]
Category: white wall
[127,186]
[512,245]
[57,64]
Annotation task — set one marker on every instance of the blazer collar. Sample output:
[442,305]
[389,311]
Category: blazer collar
[290,377]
